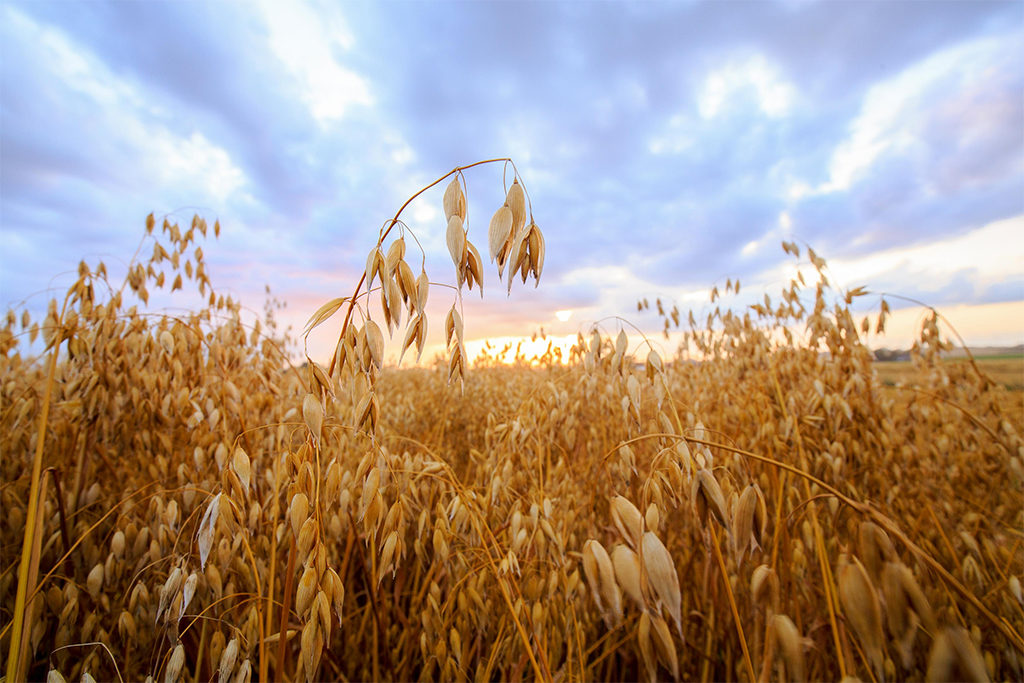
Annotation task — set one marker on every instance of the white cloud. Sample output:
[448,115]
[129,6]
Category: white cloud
[785,223]
[306,42]
[425,213]
[676,139]
[895,113]
[995,251]
[774,95]
[196,163]
[76,69]
[724,89]
[123,117]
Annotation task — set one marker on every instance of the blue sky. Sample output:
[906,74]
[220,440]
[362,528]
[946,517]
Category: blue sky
[665,146]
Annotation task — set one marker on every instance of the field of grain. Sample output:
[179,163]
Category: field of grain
[181,502]
[1007,370]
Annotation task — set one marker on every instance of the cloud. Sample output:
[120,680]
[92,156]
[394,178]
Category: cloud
[665,147]
[963,93]
[753,76]
[304,38]
[974,266]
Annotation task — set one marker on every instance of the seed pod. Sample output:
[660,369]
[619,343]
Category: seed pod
[792,647]
[387,555]
[240,464]
[227,661]
[592,571]
[440,546]
[367,412]
[474,268]
[627,520]
[499,231]
[187,592]
[220,454]
[167,341]
[454,200]
[321,611]
[662,577]
[370,487]
[762,583]
[337,592]
[94,582]
[244,674]
[126,626]
[1015,590]
[643,637]
[395,254]
[653,365]
[746,533]
[514,255]
[311,648]
[875,547]
[621,343]
[374,264]
[455,237]
[117,543]
[175,665]
[955,658]
[394,303]
[707,495]
[664,646]
[306,589]
[313,415]
[633,393]
[422,290]
[627,573]
[373,515]
[652,518]
[515,200]
[411,334]
[298,511]
[453,326]
[520,540]
[608,593]
[406,283]
[861,606]
[536,253]
[307,537]
[374,343]
[456,641]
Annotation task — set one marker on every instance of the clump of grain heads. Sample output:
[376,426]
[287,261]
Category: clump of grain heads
[758,505]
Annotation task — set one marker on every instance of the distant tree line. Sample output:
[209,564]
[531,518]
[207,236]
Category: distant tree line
[892,354]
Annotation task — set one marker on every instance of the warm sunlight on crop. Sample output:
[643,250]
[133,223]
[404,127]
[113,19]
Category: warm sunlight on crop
[526,349]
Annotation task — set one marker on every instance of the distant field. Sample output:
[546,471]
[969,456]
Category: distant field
[1006,370]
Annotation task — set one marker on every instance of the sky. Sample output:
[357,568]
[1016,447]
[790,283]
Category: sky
[665,148]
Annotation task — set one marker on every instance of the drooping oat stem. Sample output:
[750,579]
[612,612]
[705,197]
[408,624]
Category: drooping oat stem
[390,225]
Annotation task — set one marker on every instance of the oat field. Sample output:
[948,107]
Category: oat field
[183,502]
[1007,370]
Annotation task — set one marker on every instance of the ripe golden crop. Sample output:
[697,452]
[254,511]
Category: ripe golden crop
[181,502]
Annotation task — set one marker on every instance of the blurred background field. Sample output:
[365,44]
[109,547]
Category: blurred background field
[1005,368]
